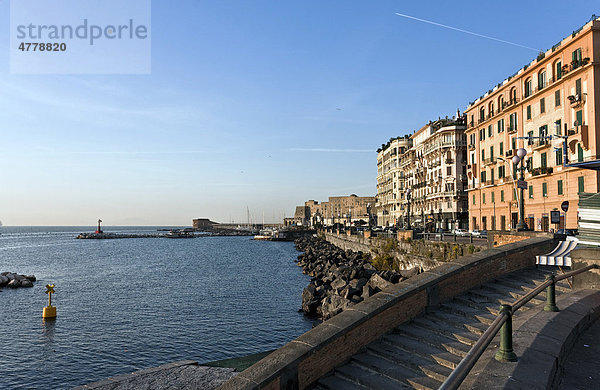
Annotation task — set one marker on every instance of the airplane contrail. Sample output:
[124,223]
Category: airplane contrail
[467,32]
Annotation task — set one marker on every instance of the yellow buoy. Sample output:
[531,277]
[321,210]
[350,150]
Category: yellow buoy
[49,311]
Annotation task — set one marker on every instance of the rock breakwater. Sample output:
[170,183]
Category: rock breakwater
[340,279]
[13,280]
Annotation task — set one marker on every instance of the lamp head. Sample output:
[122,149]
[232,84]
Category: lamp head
[521,153]
[516,160]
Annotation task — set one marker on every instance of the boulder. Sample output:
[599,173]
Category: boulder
[368,291]
[26,283]
[378,283]
[3,280]
[407,273]
[14,283]
[333,305]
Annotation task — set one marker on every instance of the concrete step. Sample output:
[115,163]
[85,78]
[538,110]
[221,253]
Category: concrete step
[486,318]
[482,307]
[415,363]
[362,376]
[424,383]
[385,367]
[455,334]
[447,359]
[334,382]
[475,327]
[430,340]
[513,292]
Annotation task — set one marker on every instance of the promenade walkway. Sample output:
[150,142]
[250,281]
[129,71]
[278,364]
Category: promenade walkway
[582,368]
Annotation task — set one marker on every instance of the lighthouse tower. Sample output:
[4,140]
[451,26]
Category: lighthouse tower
[99,230]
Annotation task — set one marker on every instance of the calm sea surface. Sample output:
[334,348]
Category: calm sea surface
[128,304]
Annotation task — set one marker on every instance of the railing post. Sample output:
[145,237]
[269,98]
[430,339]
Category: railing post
[551,295]
[506,353]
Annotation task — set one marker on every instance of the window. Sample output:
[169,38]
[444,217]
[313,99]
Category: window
[501,172]
[472,158]
[558,70]
[529,164]
[528,89]
[483,177]
[500,125]
[579,153]
[560,187]
[483,198]
[558,124]
[578,87]
[542,105]
[491,153]
[501,148]
[530,192]
[490,131]
[481,114]
[557,98]
[579,118]
[576,58]
[558,157]
[580,186]
[513,95]
[482,154]
[541,79]
[545,190]
[502,196]
[481,134]
[512,126]
[493,198]
[529,112]
[513,142]
[473,199]
[530,140]
[544,160]
[492,175]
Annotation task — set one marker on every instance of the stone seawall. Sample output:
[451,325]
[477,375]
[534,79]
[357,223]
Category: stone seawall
[303,361]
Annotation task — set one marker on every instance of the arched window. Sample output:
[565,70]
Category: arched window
[491,109]
[557,69]
[542,80]
[500,102]
[528,88]
[513,95]
[482,114]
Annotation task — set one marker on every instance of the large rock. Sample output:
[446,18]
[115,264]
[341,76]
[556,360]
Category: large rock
[3,280]
[333,305]
[26,283]
[310,301]
[378,283]
[14,283]
[407,273]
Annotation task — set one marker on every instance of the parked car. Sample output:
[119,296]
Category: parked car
[566,232]
[461,232]
[479,233]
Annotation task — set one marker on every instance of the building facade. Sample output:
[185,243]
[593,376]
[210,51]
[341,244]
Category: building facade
[556,94]
[346,210]
[424,175]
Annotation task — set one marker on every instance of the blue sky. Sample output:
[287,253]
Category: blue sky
[257,104]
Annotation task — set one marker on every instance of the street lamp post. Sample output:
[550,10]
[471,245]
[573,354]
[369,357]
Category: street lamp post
[408,192]
[520,157]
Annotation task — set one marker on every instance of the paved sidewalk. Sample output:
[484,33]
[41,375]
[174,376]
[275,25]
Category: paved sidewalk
[186,374]
[582,367]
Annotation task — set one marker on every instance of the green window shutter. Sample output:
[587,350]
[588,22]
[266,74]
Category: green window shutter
[544,160]
[483,198]
[502,196]
[491,152]
[542,105]
[528,112]
[559,127]
[473,199]
[559,157]
[579,117]
[560,187]
[558,70]
[578,87]
[530,192]
[580,186]
[499,126]
[545,189]
[493,198]
[579,153]
[501,149]
[557,98]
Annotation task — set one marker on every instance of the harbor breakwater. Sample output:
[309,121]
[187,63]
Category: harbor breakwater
[13,280]
[340,278]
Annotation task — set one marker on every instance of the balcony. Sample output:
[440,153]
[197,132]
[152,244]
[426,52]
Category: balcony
[471,146]
[512,129]
[489,161]
[541,144]
[449,161]
[579,134]
[510,153]
[542,171]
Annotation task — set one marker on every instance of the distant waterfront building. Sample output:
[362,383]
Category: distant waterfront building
[347,210]
[202,223]
[431,163]
[556,94]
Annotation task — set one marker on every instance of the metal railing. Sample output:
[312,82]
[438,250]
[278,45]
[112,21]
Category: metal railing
[503,323]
